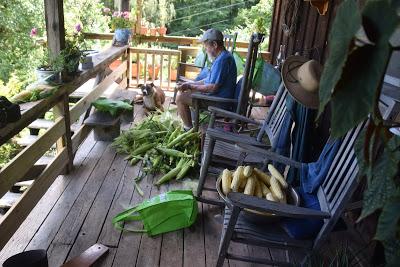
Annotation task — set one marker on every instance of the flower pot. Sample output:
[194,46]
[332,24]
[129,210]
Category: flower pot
[153,31]
[121,37]
[47,74]
[135,69]
[162,30]
[87,60]
[174,74]
[143,30]
[156,71]
[115,64]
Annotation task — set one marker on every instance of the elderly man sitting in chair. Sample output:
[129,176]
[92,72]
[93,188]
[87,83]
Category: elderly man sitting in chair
[220,81]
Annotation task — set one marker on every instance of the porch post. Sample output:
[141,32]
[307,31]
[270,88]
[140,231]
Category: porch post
[54,15]
[138,15]
[122,5]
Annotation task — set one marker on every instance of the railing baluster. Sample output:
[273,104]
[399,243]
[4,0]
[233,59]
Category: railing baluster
[161,68]
[153,74]
[129,67]
[169,71]
[145,67]
[137,68]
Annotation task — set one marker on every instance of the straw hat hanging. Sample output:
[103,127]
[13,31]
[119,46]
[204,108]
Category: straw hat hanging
[301,78]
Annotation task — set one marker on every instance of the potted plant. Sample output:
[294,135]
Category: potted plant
[121,24]
[156,71]
[143,28]
[135,66]
[44,71]
[153,30]
[166,13]
[67,62]
[174,68]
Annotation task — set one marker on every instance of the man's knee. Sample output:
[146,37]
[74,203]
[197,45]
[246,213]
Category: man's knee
[183,98]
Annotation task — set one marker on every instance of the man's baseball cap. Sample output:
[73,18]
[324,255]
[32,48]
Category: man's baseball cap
[212,35]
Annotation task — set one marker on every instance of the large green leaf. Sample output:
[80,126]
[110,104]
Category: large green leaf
[357,79]
[381,186]
[345,25]
[389,219]
[114,107]
[392,252]
[357,87]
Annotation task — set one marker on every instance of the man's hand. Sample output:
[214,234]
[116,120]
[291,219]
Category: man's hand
[184,86]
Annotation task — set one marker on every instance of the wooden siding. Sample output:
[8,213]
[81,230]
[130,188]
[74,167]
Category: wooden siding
[310,37]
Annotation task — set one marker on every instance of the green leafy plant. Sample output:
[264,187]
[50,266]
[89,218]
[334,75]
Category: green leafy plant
[69,57]
[360,50]
[8,151]
[119,20]
[260,25]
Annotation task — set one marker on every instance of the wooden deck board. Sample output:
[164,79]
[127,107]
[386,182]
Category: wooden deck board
[33,222]
[76,212]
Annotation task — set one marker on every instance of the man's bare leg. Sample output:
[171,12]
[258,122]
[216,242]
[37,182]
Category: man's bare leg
[183,102]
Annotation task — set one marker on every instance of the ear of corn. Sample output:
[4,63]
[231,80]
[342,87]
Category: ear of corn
[258,190]
[264,189]
[270,197]
[226,181]
[250,186]
[237,175]
[275,188]
[247,171]
[274,172]
[262,176]
[258,184]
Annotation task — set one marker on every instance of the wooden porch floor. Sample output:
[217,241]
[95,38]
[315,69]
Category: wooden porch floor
[77,209]
[76,213]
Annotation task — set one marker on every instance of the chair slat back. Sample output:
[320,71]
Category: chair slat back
[275,117]
[340,182]
[230,41]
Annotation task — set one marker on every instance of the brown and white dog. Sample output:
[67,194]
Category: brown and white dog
[153,97]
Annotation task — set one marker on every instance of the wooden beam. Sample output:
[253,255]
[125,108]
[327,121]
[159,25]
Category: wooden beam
[179,40]
[54,15]
[138,15]
[122,5]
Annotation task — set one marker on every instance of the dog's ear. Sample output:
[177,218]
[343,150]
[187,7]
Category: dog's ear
[140,85]
[152,85]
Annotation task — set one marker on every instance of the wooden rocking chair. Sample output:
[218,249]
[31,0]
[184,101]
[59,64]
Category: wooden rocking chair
[222,144]
[333,194]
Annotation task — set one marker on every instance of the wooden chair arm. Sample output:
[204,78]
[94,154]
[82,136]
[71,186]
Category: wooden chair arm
[229,137]
[259,204]
[268,154]
[184,64]
[200,96]
[232,115]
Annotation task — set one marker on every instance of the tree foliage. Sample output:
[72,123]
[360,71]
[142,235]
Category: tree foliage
[193,16]
[19,55]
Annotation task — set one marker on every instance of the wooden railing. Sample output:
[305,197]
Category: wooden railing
[178,40]
[59,132]
[147,64]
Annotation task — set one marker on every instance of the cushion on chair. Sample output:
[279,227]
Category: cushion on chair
[304,228]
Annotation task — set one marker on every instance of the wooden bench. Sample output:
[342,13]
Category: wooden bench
[107,127]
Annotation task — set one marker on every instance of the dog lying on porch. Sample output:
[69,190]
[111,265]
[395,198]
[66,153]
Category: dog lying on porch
[153,97]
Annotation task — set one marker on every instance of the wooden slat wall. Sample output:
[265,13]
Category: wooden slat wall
[311,35]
